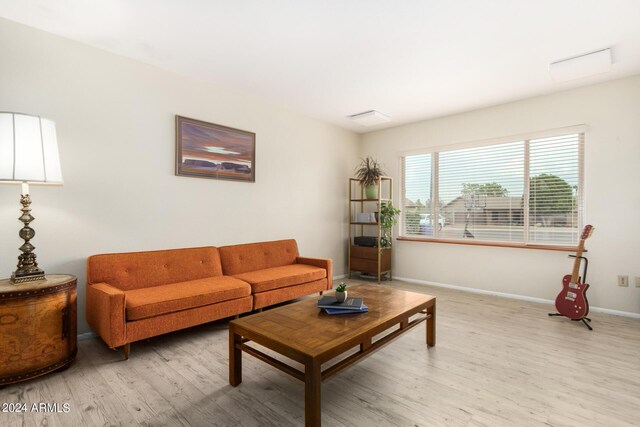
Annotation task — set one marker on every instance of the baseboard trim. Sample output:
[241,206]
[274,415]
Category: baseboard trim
[512,296]
[615,312]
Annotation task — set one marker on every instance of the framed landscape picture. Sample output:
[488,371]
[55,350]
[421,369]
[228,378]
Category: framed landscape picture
[207,150]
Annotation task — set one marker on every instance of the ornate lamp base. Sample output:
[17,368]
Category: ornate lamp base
[28,270]
[18,277]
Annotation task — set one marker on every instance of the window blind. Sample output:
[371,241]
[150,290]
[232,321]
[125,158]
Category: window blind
[527,191]
[554,181]
[481,190]
[417,201]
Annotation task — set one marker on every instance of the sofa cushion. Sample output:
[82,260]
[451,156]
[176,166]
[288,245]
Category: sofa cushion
[280,277]
[136,270]
[237,259]
[163,299]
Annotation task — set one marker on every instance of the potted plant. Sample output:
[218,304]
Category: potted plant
[341,292]
[388,218]
[369,173]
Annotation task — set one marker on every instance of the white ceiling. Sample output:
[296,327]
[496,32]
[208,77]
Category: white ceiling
[410,59]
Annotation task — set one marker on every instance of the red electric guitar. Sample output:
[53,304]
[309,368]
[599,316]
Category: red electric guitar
[572,301]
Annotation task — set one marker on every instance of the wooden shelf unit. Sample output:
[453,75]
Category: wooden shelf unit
[372,260]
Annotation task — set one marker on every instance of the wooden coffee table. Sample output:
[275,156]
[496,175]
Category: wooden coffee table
[304,333]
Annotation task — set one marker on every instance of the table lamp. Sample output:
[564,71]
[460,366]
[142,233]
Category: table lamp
[28,155]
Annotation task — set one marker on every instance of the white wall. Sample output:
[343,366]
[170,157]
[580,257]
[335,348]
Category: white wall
[612,194]
[115,121]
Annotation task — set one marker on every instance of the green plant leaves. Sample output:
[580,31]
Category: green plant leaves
[388,218]
[369,171]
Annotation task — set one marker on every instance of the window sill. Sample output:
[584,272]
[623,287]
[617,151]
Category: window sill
[495,244]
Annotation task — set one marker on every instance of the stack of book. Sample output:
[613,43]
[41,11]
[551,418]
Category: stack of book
[351,305]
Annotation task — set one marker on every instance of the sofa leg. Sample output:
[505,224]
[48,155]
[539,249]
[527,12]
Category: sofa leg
[125,351]
[321,292]
[260,310]
[237,316]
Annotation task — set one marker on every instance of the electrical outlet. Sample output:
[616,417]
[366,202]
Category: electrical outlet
[637,281]
[623,281]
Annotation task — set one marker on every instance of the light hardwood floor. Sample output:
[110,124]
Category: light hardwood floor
[497,362]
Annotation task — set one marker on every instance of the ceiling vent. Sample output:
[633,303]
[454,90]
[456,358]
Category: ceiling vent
[581,66]
[370,118]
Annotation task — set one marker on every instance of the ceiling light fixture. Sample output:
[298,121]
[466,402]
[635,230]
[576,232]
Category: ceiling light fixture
[580,66]
[370,118]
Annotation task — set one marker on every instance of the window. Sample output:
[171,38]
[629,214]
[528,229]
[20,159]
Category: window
[526,191]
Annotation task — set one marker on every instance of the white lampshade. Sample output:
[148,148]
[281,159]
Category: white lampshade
[28,150]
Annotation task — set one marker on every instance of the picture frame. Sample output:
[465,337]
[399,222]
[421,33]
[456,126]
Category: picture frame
[209,150]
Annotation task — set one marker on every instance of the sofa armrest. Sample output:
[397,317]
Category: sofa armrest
[106,313]
[325,263]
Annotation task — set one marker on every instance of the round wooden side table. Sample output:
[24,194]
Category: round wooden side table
[38,327]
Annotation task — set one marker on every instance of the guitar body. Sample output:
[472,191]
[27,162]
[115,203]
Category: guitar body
[572,300]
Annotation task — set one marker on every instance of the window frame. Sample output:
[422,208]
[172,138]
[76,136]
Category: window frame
[580,130]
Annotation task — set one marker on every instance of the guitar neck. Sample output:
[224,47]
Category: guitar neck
[575,274]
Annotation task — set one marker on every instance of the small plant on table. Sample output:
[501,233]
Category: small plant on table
[341,292]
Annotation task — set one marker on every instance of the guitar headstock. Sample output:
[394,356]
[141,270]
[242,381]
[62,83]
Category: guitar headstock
[587,232]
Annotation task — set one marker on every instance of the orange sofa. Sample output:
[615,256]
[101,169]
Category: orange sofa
[137,295]
[275,271]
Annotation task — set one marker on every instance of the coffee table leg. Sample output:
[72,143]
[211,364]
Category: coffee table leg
[312,388]
[235,358]
[431,325]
